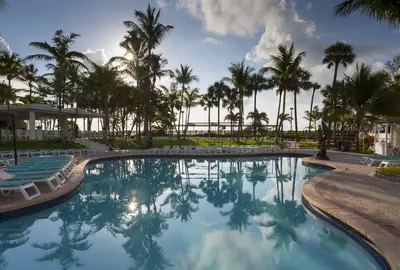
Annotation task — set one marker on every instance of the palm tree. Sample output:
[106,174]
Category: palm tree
[207,102]
[104,80]
[337,54]
[11,66]
[258,83]
[151,32]
[217,91]
[8,94]
[61,60]
[315,86]
[285,117]
[240,79]
[313,116]
[172,97]
[184,77]
[285,67]
[257,121]
[31,77]
[3,4]
[233,118]
[191,100]
[364,88]
[380,10]
[300,81]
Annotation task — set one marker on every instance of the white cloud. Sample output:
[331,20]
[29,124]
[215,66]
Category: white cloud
[97,56]
[308,6]
[4,47]
[212,40]
[230,250]
[277,22]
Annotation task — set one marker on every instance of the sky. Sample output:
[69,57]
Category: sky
[208,35]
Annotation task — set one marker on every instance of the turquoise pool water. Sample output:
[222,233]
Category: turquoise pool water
[146,214]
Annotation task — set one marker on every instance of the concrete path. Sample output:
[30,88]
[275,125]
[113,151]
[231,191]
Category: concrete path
[353,195]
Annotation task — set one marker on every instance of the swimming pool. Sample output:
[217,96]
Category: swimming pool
[225,213]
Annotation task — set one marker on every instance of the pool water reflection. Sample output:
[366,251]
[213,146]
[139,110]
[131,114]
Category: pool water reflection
[183,214]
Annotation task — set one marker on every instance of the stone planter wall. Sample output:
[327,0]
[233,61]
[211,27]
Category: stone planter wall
[389,177]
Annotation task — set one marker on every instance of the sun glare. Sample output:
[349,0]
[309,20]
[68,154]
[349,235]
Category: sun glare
[132,206]
[129,56]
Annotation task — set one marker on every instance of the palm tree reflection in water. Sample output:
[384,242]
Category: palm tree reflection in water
[137,199]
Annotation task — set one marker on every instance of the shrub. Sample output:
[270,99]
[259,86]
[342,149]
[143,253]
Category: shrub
[390,170]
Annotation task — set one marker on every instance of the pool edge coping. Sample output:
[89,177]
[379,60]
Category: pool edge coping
[64,193]
[382,241]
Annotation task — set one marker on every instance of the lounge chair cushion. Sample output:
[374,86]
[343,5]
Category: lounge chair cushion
[14,183]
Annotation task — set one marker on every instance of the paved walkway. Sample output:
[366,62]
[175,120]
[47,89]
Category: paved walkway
[368,204]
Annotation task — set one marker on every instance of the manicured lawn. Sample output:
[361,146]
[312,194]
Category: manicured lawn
[36,145]
[391,170]
[313,145]
[123,144]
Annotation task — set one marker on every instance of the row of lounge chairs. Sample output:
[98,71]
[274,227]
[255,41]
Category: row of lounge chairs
[381,161]
[47,152]
[54,171]
[214,149]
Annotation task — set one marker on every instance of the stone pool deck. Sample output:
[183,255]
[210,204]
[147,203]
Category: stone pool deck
[350,193]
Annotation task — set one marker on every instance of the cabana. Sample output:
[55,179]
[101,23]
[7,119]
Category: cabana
[387,135]
[25,121]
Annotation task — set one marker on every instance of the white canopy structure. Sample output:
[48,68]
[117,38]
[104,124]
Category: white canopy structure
[33,112]
[387,135]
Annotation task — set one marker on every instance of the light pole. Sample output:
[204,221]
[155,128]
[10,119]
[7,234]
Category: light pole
[291,119]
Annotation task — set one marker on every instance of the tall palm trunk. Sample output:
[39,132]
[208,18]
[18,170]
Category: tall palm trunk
[311,106]
[147,101]
[187,121]
[209,120]
[240,114]
[255,108]
[334,100]
[180,112]
[30,92]
[283,112]
[295,116]
[277,118]
[255,101]
[218,117]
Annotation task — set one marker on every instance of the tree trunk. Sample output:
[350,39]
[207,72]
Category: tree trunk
[255,108]
[30,92]
[147,101]
[240,114]
[255,101]
[311,106]
[283,113]
[295,116]
[180,111]
[218,117]
[277,118]
[209,120]
[334,100]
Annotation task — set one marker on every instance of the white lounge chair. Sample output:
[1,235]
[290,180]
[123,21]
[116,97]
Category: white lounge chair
[389,163]
[20,186]
[153,150]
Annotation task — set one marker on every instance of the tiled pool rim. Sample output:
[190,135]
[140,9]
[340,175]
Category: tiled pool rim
[361,228]
[350,232]
[77,177]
